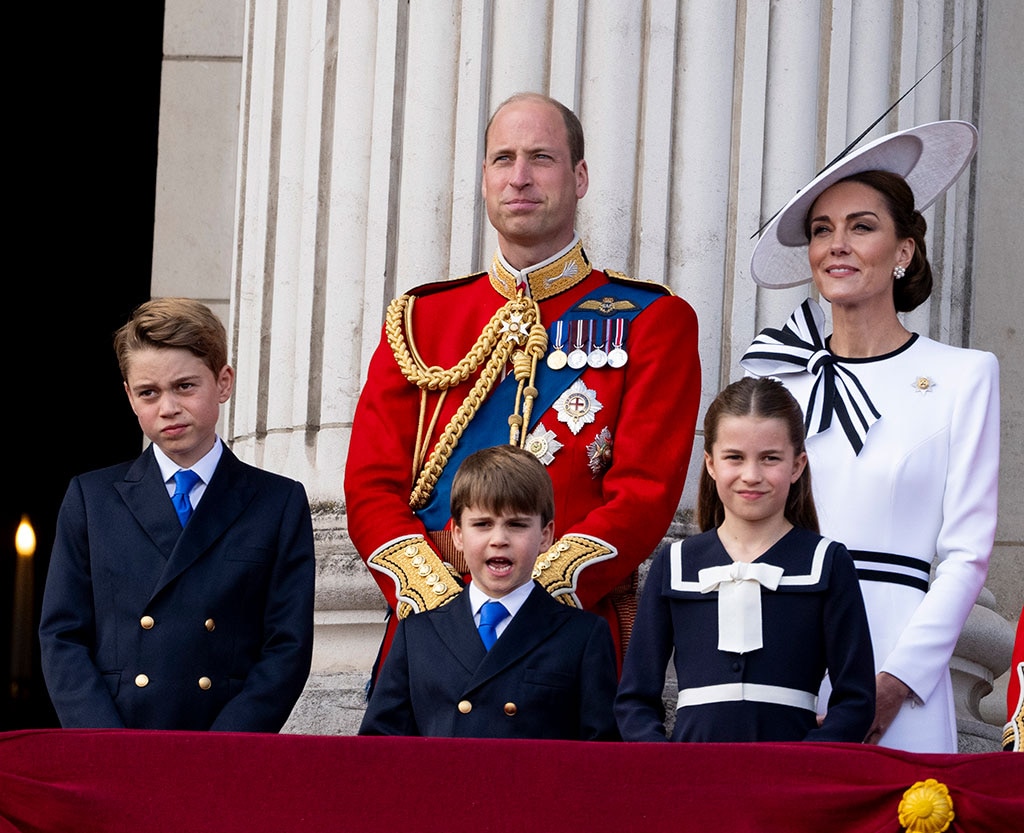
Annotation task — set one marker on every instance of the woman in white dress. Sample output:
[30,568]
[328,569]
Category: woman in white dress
[903,431]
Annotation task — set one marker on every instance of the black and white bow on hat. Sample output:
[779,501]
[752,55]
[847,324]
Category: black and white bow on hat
[800,346]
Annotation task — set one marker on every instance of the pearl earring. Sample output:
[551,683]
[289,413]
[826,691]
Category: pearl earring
[899,272]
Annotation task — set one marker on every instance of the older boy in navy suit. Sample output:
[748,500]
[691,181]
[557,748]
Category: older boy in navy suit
[173,606]
[551,672]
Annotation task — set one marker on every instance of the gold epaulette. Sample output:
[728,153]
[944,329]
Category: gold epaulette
[652,285]
[558,569]
[422,580]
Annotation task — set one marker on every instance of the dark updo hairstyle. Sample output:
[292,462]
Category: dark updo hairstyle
[764,398]
[912,289]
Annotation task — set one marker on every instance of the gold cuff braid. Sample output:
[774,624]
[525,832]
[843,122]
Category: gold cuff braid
[558,569]
[423,581]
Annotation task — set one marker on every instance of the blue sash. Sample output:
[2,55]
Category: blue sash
[489,425]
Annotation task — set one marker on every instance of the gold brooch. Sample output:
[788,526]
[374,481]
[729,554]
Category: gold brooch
[922,384]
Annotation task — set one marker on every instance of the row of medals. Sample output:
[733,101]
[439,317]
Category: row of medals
[594,356]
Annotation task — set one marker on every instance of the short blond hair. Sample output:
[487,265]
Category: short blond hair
[173,322]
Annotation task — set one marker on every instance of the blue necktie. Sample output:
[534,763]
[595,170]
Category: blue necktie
[491,615]
[184,481]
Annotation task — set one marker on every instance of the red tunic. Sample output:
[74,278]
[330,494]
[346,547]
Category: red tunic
[1013,731]
[649,408]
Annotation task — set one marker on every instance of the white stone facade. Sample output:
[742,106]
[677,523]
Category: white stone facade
[318,157]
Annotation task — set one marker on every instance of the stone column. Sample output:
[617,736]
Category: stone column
[359,147]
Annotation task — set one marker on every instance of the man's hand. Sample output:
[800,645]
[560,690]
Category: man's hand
[890,694]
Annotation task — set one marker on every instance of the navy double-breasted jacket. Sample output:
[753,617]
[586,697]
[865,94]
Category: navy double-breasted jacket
[551,675]
[148,625]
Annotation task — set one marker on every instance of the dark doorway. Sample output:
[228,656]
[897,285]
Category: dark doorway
[87,98]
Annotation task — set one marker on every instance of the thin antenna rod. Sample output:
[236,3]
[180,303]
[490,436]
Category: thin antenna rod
[871,127]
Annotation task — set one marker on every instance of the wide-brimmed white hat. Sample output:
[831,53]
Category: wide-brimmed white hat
[929,157]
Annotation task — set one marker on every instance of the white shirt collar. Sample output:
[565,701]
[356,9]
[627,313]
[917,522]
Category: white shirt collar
[512,601]
[204,467]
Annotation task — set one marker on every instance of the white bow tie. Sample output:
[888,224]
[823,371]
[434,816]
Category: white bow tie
[739,601]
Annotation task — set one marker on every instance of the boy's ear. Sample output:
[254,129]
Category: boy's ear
[225,383]
[457,536]
[547,536]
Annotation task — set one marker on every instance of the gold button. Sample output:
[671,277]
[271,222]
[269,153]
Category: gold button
[205,683]
[209,624]
[142,681]
[146,622]
[439,588]
[510,709]
[465,706]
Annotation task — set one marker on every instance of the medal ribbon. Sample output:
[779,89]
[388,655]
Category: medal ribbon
[559,342]
[800,346]
[620,333]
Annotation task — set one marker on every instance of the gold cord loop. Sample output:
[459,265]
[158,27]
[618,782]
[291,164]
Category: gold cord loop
[493,350]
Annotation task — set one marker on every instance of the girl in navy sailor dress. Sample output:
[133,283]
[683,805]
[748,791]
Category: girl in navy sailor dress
[757,608]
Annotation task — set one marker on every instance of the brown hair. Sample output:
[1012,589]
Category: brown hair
[503,478]
[573,128]
[173,322]
[913,289]
[764,398]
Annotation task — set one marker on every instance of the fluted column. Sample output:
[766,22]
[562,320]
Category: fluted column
[360,142]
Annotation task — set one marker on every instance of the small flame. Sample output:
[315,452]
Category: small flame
[25,538]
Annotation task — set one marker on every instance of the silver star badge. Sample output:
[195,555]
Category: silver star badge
[577,406]
[542,444]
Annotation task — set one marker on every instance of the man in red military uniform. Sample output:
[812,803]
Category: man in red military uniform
[596,373]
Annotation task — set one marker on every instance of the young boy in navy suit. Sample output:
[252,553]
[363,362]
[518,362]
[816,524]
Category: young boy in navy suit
[551,670]
[179,607]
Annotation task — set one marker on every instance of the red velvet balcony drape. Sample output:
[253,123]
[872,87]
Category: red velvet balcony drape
[98,780]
